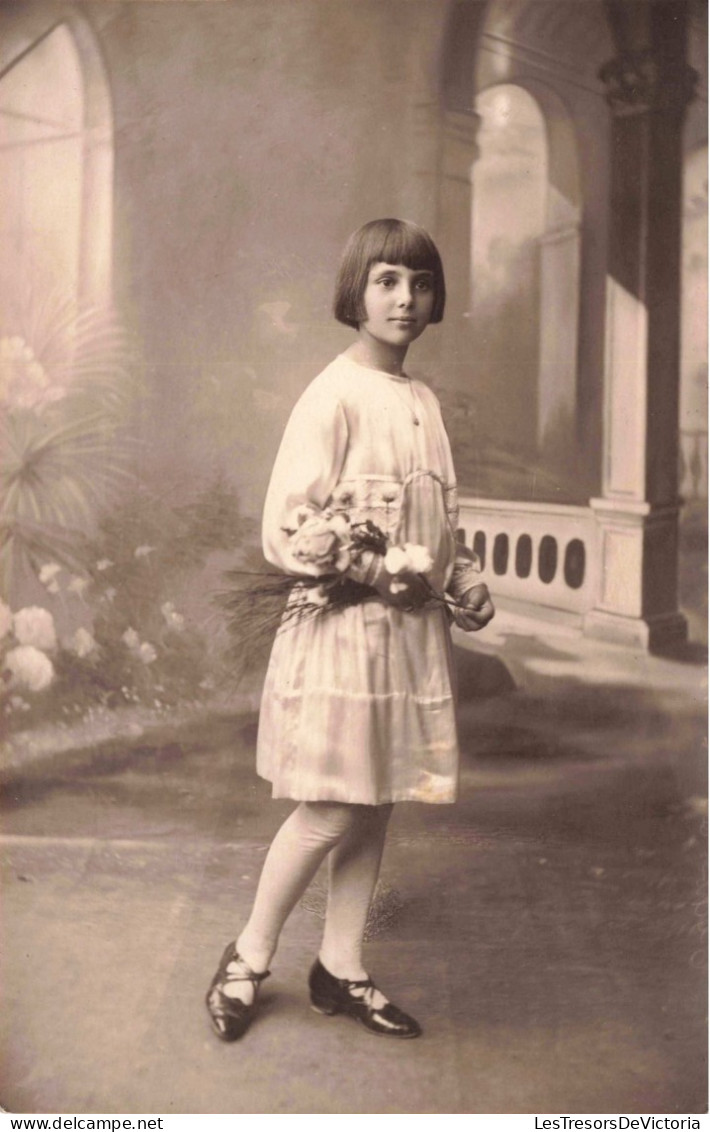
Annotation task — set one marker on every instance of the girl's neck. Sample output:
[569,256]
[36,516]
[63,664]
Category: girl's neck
[373,354]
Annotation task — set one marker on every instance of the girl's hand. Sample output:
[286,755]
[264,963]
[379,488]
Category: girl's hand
[410,592]
[478,612]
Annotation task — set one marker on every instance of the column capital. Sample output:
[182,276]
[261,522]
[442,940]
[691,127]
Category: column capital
[635,86]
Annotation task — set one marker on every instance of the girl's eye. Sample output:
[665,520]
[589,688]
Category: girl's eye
[387,282]
[423,285]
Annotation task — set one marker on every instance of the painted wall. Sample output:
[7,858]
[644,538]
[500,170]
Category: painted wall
[250,139]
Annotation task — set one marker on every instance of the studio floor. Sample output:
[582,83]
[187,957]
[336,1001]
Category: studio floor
[548,930]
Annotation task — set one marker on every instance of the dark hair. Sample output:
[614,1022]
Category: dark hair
[385,241]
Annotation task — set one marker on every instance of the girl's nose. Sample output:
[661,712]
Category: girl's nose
[406,295]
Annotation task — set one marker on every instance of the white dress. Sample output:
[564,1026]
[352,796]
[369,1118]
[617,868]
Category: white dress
[358,703]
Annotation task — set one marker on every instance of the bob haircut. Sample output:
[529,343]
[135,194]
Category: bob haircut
[385,241]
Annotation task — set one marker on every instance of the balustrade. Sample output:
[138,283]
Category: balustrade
[541,553]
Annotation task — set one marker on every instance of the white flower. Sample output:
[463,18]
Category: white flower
[48,572]
[143,551]
[396,561]
[82,643]
[340,525]
[131,639]
[35,626]
[408,559]
[420,560]
[77,585]
[104,564]
[147,653]
[173,619]
[110,593]
[5,619]
[30,668]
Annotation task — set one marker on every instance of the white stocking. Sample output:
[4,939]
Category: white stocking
[354,867]
[294,857]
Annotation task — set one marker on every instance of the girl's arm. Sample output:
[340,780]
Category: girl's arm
[306,470]
[297,535]
[469,591]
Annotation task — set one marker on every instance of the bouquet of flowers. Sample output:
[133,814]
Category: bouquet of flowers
[325,545]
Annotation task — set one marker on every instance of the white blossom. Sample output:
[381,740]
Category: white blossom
[147,653]
[131,639]
[173,619]
[35,626]
[30,668]
[143,551]
[48,572]
[408,559]
[77,585]
[104,564]
[420,560]
[82,643]
[396,560]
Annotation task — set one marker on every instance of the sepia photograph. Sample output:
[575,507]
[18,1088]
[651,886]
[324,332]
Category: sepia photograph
[353,558]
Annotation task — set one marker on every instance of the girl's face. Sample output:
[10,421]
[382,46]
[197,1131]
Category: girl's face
[398,302]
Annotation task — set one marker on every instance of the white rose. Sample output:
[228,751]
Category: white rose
[5,619]
[396,561]
[30,668]
[35,626]
[420,560]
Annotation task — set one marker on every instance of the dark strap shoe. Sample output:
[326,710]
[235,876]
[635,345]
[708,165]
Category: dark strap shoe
[356,999]
[230,1017]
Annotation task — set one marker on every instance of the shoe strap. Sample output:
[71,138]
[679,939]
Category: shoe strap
[246,975]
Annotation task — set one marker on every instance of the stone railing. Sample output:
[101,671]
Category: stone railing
[542,553]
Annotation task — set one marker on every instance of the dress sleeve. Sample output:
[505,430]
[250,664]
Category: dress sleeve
[306,470]
[467,573]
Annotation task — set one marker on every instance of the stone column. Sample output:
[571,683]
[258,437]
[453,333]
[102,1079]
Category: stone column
[458,153]
[647,91]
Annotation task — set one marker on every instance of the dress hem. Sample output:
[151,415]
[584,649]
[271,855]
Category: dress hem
[394,796]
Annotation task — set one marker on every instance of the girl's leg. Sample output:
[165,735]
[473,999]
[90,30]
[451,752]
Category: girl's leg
[294,857]
[354,867]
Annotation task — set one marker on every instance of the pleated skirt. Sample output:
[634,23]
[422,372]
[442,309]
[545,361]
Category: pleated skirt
[358,706]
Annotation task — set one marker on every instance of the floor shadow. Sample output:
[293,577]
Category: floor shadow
[480,676]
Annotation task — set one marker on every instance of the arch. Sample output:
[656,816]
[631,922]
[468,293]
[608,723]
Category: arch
[552,51]
[56,161]
[526,208]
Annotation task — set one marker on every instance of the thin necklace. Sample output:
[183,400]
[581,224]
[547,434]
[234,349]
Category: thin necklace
[396,378]
[411,407]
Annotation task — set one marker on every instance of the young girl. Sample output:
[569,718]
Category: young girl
[357,710]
